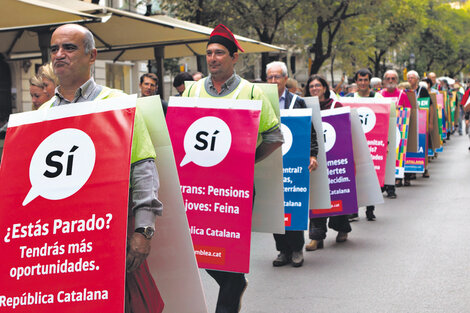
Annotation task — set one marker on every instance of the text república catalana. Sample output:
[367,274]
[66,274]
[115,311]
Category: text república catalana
[62,296]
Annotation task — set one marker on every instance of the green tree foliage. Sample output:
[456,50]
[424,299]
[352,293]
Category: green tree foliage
[352,33]
[321,21]
[441,43]
[389,26]
[260,18]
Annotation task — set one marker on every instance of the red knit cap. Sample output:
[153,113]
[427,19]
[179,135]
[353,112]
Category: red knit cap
[221,34]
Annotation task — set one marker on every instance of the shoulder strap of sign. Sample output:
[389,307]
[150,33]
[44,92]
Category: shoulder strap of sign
[291,106]
[239,88]
[235,95]
[418,92]
[399,96]
[199,84]
[105,92]
[333,104]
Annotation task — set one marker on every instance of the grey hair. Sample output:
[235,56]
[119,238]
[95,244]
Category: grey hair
[393,72]
[88,41]
[413,73]
[282,65]
[374,81]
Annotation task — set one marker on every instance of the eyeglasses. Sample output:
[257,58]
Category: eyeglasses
[391,78]
[315,85]
[275,77]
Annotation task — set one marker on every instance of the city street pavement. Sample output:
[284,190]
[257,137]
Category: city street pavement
[414,258]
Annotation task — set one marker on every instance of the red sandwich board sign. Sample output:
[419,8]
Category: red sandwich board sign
[63,214]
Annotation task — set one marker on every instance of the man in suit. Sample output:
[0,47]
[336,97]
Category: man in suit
[149,87]
[290,244]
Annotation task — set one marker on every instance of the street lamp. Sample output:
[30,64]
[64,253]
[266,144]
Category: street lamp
[412,61]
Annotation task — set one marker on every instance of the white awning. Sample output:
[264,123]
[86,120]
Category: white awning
[124,35]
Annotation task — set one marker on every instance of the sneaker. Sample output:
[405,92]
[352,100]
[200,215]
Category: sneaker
[314,245]
[341,237]
[241,295]
[297,258]
[281,260]
[353,217]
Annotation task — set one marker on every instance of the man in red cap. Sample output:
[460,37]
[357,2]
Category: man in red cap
[223,82]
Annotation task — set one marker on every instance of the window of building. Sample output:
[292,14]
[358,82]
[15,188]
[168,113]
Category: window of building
[118,76]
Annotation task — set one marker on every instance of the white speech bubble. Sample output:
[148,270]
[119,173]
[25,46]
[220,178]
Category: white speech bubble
[329,136]
[367,117]
[206,142]
[398,135]
[287,139]
[61,165]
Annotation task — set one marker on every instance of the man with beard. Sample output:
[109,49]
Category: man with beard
[401,100]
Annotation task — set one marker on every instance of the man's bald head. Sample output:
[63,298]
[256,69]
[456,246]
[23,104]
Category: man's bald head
[432,76]
[73,53]
[88,40]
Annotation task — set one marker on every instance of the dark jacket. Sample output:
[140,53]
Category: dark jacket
[300,104]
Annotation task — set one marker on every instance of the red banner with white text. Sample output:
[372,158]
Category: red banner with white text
[214,150]
[63,213]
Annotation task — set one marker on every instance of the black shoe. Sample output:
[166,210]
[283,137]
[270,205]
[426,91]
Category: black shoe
[370,214]
[398,182]
[407,183]
[297,258]
[353,217]
[281,260]
[341,237]
[391,195]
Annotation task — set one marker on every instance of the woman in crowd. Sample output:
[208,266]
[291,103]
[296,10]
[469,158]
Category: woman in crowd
[318,86]
[36,90]
[49,80]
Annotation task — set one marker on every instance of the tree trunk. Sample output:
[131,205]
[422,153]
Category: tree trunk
[264,62]
[332,71]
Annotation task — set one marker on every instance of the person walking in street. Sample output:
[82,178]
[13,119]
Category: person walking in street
[362,79]
[401,100]
[73,53]
[317,86]
[291,243]
[223,82]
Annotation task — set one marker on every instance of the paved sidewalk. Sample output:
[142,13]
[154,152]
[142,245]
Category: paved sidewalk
[415,258]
